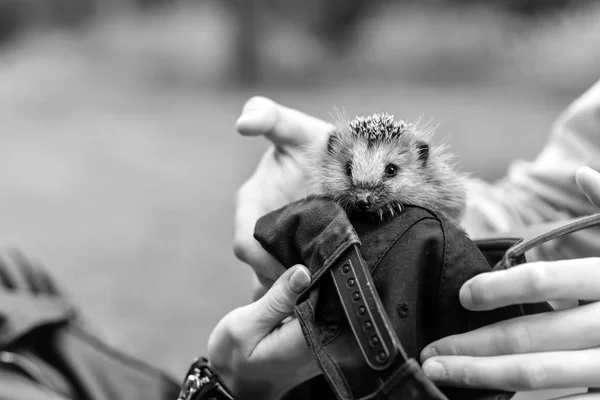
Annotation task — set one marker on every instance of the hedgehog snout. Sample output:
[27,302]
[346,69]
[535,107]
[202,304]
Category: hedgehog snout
[363,200]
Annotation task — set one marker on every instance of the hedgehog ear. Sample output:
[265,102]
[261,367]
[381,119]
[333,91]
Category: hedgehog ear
[332,141]
[423,151]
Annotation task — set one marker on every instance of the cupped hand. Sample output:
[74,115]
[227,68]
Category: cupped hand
[559,349]
[254,352]
[280,177]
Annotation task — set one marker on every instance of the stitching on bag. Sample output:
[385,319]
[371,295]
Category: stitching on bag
[332,338]
[345,245]
[402,373]
[322,350]
[392,244]
[335,255]
[335,366]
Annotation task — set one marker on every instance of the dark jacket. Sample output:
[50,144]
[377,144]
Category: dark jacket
[47,352]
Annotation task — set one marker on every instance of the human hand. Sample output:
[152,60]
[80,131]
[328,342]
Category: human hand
[254,352]
[280,177]
[559,349]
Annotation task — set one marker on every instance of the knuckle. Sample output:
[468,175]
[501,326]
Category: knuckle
[241,194]
[447,347]
[480,295]
[467,377]
[278,303]
[530,376]
[515,338]
[234,331]
[254,101]
[539,282]
[240,248]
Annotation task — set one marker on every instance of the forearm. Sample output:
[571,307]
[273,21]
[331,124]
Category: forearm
[545,189]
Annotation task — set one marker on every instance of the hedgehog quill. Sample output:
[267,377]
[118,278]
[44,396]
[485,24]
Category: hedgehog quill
[376,164]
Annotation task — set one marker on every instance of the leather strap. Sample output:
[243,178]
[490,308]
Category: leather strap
[528,232]
[520,248]
[367,317]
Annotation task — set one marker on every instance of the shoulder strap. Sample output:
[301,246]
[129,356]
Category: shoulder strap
[540,234]
[527,232]
[375,334]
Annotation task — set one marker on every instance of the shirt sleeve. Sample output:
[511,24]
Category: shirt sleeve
[539,194]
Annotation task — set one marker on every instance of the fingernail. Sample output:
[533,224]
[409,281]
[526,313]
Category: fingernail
[299,280]
[434,370]
[428,352]
[466,296]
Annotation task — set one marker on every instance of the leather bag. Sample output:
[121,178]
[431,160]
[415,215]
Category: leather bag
[383,290]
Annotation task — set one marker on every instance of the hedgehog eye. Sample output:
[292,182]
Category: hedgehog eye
[349,169]
[391,170]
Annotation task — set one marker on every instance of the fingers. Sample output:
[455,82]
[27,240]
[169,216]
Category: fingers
[272,185]
[249,208]
[17,272]
[38,280]
[568,369]
[588,181]
[257,320]
[533,282]
[260,286]
[281,125]
[279,301]
[578,328]
[248,250]
[245,327]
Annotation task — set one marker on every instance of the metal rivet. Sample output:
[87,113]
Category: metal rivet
[368,325]
[356,296]
[350,282]
[345,269]
[381,357]
[361,310]
[403,310]
[374,341]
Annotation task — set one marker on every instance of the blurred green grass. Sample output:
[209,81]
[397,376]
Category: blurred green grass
[119,162]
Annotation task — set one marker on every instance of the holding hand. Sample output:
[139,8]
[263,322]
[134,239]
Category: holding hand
[559,349]
[255,354]
[279,179]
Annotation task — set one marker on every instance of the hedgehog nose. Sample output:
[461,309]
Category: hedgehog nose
[363,201]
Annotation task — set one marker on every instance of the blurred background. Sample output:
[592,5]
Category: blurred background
[119,161]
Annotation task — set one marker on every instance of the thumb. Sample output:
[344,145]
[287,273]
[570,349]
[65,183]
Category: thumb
[279,301]
[283,126]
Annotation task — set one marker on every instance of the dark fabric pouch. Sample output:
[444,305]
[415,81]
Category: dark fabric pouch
[380,292]
[48,352]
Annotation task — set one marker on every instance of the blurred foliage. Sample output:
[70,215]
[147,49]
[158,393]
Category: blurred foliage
[332,20]
[251,42]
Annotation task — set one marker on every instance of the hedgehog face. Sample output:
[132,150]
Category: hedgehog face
[381,168]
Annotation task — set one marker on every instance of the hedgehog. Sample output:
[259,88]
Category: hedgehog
[376,165]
